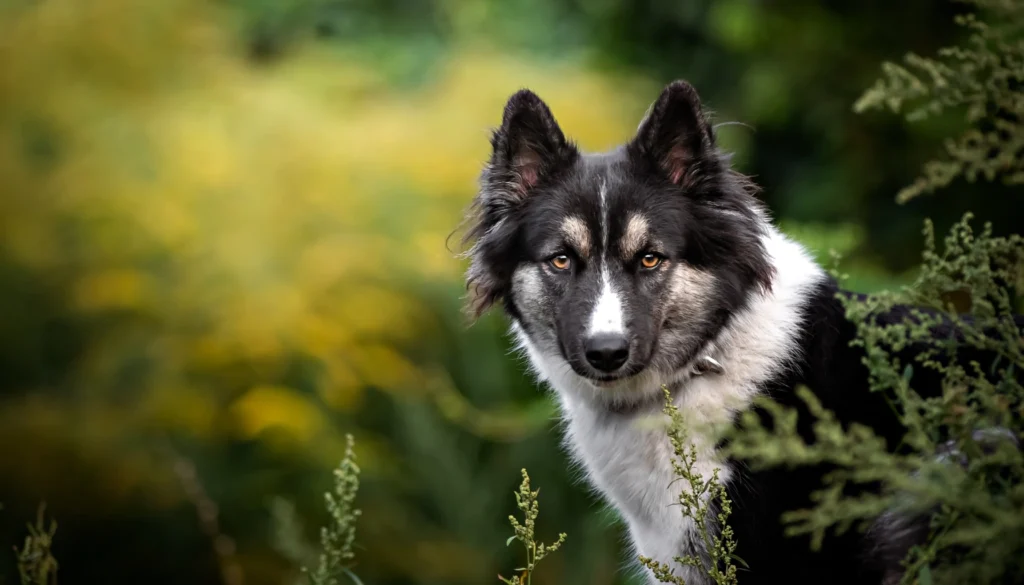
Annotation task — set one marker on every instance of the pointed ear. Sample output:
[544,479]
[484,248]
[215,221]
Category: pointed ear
[528,146]
[675,134]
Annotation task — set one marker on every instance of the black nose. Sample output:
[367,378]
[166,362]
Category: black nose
[607,352]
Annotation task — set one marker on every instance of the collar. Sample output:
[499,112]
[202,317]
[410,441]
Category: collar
[702,366]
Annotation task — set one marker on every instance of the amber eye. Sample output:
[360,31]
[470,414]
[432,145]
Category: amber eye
[560,262]
[650,261]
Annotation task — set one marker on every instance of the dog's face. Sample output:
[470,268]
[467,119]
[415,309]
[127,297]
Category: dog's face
[622,266]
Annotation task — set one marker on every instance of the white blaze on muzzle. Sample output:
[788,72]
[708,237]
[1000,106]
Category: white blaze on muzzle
[607,314]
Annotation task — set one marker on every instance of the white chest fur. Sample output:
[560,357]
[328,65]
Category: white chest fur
[629,461]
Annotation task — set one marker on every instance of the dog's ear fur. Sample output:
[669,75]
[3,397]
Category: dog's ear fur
[676,136]
[675,142]
[528,150]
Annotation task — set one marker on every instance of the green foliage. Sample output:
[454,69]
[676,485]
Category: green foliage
[698,501]
[977,507]
[526,501]
[985,76]
[36,564]
[978,531]
[402,40]
[337,538]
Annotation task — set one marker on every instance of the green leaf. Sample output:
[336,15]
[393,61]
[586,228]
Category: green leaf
[737,558]
[908,372]
[510,539]
[924,575]
[352,576]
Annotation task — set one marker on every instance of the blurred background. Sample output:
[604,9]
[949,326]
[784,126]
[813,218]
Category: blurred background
[223,233]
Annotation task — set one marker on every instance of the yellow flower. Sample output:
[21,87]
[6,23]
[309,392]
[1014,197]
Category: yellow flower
[266,407]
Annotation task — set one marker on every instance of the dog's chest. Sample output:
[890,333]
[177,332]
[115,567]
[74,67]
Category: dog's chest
[628,458]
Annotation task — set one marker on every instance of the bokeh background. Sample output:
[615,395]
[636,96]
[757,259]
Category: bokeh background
[223,236]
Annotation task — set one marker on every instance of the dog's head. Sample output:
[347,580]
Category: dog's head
[622,265]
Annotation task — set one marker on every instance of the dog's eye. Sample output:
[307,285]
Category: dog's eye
[650,261]
[561,262]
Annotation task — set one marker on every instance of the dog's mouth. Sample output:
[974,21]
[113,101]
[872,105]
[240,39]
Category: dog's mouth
[615,379]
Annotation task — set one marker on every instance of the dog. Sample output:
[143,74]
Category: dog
[654,265]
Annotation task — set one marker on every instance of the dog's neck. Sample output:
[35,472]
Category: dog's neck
[705,364]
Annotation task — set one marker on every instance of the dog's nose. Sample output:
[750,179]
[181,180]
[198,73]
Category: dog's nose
[607,352]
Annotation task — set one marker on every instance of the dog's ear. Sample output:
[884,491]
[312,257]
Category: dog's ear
[528,149]
[675,134]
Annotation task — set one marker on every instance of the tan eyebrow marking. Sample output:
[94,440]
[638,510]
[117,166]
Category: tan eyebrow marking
[634,237]
[576,232]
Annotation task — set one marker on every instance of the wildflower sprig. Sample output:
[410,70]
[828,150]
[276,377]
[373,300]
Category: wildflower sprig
[36,564]
[526,501]
[706,504]
[338,537]
[982,76]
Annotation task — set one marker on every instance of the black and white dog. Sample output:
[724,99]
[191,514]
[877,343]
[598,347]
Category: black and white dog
[655,265]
